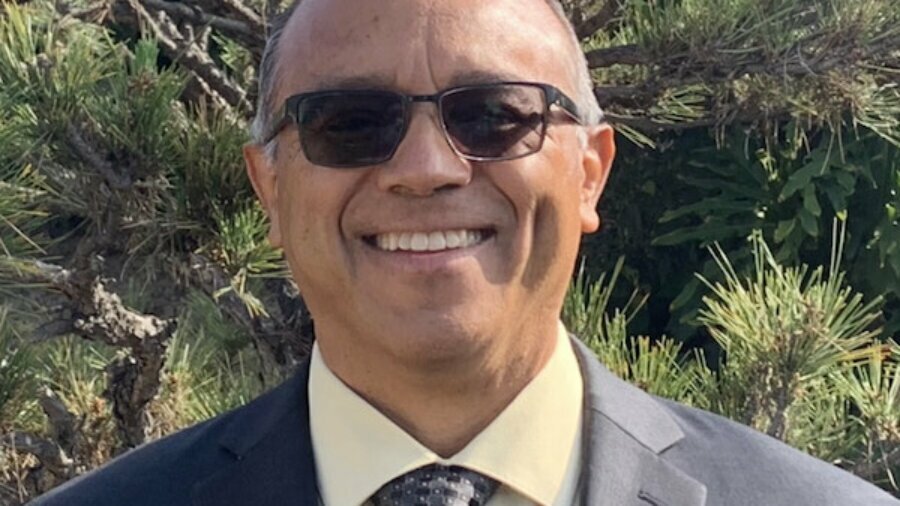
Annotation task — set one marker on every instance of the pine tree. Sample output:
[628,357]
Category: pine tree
[139,294]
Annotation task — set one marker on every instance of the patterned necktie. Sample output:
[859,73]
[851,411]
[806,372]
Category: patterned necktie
[436,485]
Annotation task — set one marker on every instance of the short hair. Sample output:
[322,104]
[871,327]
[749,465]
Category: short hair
[268,73]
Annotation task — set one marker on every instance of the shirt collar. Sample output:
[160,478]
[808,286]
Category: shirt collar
[530,447]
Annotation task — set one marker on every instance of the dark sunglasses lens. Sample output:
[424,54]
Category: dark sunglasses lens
[350,129]
[495,122]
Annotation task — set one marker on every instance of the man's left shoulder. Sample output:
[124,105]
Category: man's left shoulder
[740,465]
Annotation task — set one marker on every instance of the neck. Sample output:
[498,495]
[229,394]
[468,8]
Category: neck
[443,404]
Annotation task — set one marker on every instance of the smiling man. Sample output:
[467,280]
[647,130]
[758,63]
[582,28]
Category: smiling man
[429,167]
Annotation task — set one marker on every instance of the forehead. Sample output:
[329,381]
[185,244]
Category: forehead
[421,46]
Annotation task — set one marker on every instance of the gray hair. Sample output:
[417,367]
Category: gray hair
[268,75]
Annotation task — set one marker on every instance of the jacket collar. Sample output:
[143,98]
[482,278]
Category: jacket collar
[271,452]
[626,432]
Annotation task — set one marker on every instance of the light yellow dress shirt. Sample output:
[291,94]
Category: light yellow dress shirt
[532,448]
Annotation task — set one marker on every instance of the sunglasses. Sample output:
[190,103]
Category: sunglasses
[487,122]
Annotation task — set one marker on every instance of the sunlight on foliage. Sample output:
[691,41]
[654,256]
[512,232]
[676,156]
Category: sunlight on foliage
[657,367]
[16,378]
[243,249]
[801,359]
[780,330]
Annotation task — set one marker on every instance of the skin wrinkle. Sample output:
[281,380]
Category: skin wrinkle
[439,352]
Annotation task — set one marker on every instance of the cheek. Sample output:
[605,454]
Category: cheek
[296,231]
[544,191]
[545,242]
[310,209]
[546,180]
[556,230]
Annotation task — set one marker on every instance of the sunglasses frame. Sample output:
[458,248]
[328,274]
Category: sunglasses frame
[553,96]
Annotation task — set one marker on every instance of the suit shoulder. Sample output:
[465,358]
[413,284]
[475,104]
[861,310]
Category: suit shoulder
[156,469]
[164,471]
[740,465]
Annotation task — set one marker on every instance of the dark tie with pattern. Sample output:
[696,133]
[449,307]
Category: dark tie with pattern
[437,485]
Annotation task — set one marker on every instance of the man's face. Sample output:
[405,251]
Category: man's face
[530,211]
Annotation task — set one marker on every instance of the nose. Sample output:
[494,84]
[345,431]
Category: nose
[424,163]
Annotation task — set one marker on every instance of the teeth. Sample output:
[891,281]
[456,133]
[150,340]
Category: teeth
[436,241]
[419,242]
[453,239]
[433,241]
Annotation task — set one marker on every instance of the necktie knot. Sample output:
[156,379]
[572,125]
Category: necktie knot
[437,485]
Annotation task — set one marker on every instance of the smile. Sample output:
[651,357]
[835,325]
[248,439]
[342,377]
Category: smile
[441,240]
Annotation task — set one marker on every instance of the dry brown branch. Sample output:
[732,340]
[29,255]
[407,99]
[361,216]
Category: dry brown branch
[251,35]
[196,90]
[599,20]
[623,96]
[95,13]
[63,424]
[186,52]
[47,452]
[52,329]
[869,470]
[132,382]
[651,125]
[89,155]
[238,10]
[280,340]
[99,315]
[55,466]
[618,55]
[104,318]
[681,73]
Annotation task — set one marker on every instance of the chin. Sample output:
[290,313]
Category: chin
[435,336]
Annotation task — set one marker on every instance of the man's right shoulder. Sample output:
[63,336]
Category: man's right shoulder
[166,471]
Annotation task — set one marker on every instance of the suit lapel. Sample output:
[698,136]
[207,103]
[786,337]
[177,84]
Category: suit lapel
[626,432]
[271,453]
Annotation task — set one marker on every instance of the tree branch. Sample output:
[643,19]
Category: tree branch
[282,341]
[240,11]
[629,54]
[63,424]
[99,315]
[186,52]
[87,153]
[870,470]
[708,74]
[51,456]
[250,34]
[598,21]
[52,329]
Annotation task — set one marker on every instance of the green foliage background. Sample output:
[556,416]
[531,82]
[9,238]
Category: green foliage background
[756,183]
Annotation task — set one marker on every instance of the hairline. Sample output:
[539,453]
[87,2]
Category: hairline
[269,75]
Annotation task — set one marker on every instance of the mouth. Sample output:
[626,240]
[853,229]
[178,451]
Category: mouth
[429,241]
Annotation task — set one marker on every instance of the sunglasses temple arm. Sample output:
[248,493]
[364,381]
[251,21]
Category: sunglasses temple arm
[274,130]
[568,105]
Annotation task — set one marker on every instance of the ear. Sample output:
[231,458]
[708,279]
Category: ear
[596,163]
[264,178]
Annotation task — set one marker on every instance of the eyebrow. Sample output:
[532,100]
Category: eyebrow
[388,83]
[482,77]
[353,82]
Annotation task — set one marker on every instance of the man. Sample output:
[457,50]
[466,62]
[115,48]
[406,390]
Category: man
[428,167]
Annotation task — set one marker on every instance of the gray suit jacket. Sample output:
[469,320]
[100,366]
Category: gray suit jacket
[640,451]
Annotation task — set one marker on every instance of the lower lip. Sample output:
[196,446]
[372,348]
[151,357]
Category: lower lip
[420,262]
